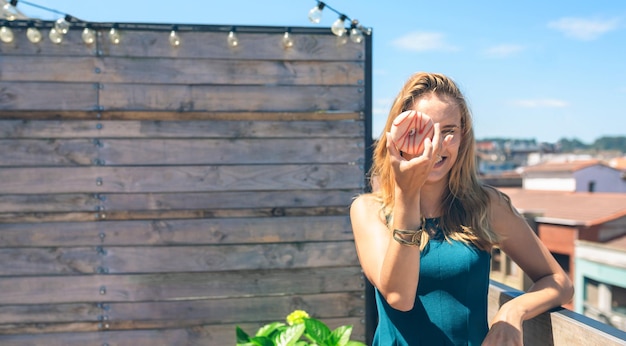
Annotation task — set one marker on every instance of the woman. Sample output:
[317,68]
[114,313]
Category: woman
[424,235]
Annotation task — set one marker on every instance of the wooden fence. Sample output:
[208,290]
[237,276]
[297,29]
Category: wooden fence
[159,195]
[560,327]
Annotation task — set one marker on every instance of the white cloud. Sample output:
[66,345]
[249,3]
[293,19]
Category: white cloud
[503,50]
[584,29]
[418,41]
[540,103]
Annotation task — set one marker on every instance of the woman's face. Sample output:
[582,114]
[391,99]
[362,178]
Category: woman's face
[448,115]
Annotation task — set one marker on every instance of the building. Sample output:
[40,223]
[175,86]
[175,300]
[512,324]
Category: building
[575,176]
[562,218]
[601,281]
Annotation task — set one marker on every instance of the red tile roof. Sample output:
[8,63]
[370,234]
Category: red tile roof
[617,243]
[568,166]
[569,208]
[618,163]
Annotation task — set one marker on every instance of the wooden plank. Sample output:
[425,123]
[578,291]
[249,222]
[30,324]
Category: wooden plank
[559,326]
[60,334]
[76,202]
[165,259]
[33,68]
[163,115]
[122,315]
[49,203]
[47,96]
[252,46]
[45,129]
[150,97]
[176,286]
[178,232]
[141,152]
[238,310]
[12,218]
[178,178]
[47,152]
[179,71]
[230,98]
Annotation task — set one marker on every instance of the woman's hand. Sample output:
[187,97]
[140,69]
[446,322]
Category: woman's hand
[504,334]
[411,172]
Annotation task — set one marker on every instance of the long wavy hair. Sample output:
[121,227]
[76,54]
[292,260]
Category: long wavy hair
[466,202]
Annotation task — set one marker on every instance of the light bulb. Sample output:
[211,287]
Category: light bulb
[315,14]
[356,35]
[174,39]
[339,27]
[233,41]
[62,25]
[114,36]
[33,34]
[10,11]
[88,36]
[6,34]
[55,36]
[287,40]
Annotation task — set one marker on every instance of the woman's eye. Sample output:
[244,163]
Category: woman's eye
[448,131]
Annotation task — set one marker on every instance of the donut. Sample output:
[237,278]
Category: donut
[409,130]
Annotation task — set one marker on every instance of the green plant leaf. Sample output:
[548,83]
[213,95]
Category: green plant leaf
[339,336]
[261,341]
[355,343]
[316,330]
[242,337]
[289,336]
[268,329]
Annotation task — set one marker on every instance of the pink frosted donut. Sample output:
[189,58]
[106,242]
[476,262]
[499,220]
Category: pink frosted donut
[409,130]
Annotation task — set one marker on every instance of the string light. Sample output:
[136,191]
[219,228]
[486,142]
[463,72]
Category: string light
[6,34]
[287,39]
[62,24]
[88,35]
[339,27]
[33,34]
[55,36]
[10,10]
[357,32]
[315,14]
[174,38]
[232,39]
[114,35]
[356,35]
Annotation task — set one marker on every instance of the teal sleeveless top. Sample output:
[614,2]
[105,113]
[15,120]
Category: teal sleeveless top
[451,303]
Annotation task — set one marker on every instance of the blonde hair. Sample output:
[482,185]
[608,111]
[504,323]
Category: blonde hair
[466,202]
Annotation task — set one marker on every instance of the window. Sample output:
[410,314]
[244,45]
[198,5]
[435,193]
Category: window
[591,186]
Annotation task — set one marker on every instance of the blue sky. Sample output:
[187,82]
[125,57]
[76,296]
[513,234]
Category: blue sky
[535,69]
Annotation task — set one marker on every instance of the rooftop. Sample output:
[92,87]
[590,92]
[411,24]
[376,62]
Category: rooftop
[564,166]
[569,208]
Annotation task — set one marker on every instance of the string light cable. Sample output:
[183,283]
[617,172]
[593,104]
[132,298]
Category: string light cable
[355,30]
[12,17]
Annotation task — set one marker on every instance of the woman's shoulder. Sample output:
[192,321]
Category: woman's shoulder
[504,216]
[366,204]
[366,201]
[499,201]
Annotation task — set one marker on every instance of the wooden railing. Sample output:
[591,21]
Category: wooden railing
[559,326]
